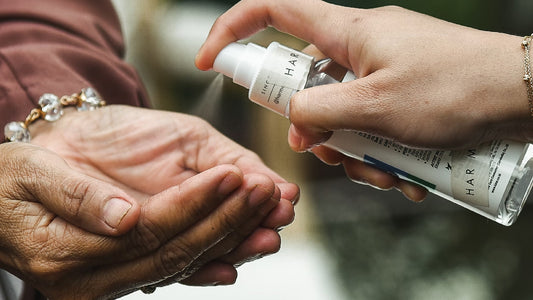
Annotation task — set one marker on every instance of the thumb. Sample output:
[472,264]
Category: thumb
[317,111]
[84,201]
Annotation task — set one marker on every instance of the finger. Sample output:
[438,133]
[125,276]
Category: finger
[289,192]
[304,138]
[313,117]
[212,274]
[241,233]
[248,17]
[177,258]
[251,163]
[261,243]
[91,204]
[412,191]
[281,216]
[328,156]
[181,207]
[361,172]
[222,271]
[170,213]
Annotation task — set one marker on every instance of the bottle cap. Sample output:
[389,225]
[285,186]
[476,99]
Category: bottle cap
[240,62]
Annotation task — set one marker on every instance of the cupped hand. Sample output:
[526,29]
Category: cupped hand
[422,81]
[192,215]
[146,151]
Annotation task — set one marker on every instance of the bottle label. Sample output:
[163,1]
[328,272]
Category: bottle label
[476,178]
[480,176]
[470,175]
[283,73]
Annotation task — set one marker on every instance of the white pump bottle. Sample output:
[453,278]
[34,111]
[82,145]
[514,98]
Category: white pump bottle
[493,179]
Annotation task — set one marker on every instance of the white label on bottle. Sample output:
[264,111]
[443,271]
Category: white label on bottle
[283,73]
[470,173]
[477,178]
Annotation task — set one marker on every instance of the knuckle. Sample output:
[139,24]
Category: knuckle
[229,221]
[393,8]
[146,238]
[299,108]
[29,171]
[76,193]
[176,259]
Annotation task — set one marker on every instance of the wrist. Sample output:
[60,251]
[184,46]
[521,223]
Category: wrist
[501,93]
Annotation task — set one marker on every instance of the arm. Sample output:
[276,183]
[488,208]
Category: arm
[422,81]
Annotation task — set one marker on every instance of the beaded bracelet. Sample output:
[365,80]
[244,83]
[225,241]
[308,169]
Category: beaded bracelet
[51,109]
[526,44]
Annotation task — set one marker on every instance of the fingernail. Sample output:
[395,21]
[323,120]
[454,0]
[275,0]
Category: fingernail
[115,210]
[295,140]
[258,196]
[229,184]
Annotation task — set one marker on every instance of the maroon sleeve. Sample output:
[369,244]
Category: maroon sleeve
[60,47]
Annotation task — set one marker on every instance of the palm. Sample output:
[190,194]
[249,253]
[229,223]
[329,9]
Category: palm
[143,151]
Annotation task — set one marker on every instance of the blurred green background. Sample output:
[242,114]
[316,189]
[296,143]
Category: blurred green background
[380,245]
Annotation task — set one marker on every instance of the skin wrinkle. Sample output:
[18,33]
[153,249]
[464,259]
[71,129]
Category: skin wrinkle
[96,166]
[76,194]
[31,174]
[150,240]
[227,28]
[196,152]
[175,261]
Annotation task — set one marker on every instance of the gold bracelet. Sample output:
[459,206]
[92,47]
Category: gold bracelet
[51,109]
[526,44]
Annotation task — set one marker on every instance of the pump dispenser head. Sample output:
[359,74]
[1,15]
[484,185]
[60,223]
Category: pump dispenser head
[272,75]
[240,62]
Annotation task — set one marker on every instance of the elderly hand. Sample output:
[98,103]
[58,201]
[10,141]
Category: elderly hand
[422,81]
[198,204]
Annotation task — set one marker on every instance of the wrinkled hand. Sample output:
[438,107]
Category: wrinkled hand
[193,201]
[422,81]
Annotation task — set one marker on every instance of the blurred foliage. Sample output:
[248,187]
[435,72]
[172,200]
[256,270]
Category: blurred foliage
[509,16]
[388,248]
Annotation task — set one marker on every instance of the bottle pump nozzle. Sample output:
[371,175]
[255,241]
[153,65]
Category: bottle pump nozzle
[271,74]
[240,62]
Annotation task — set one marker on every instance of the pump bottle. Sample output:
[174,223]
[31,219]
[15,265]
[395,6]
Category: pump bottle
[493,179]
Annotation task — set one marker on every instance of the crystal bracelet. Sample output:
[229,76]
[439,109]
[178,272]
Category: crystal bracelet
[51,109]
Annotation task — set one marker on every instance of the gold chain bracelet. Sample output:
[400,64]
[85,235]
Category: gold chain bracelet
[526,44]
[51,109]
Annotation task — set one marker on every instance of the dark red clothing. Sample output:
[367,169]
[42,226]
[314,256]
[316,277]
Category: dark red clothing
[60,47]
